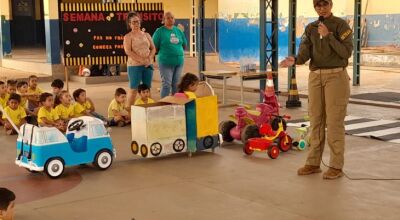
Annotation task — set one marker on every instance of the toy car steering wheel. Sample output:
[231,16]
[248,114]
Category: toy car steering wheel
[76,125]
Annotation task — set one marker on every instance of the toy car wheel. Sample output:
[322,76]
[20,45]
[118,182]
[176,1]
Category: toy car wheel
[225,128]
[143,150]
[275,124]
[54,167]
[250,131]
[178,145]
[208,142]
[302,145]
[134,147]
[285,143]
[103,159]
[273,152]
[247,150]
[155,149]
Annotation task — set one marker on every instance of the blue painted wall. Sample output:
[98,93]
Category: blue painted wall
[383,30]
[5,36]
[52,41]
[210,26]
[240,37]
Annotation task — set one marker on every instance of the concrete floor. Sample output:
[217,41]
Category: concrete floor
[221,185]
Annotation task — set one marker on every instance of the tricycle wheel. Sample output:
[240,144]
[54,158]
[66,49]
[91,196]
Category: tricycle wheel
[285,143]
[302,144]
[54,167]
[103,160]
[273,152]
[225,128]
[250,131]
[247,150]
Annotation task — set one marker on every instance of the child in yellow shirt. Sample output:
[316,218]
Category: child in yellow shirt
[85,106]
[15,113]
[47,115]
[65,110]
[117,115]
[188,85]
[144,92]
[3,98]
[34,92]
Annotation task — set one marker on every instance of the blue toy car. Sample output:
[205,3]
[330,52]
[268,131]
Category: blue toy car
[47,149]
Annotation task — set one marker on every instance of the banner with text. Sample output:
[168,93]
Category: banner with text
[93,33]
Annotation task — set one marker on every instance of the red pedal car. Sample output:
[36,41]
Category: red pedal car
[271,141]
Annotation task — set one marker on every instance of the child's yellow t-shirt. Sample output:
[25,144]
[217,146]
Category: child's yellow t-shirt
[190,95]
[87,105]
[35,91]
[4,100]
[65,112]
[114,105]
[16,115]
[23,102]
[49,115]
[139,101]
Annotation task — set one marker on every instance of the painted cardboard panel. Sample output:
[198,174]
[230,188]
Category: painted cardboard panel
[207,116]
[160,128]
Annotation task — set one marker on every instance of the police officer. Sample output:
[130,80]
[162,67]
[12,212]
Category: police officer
[327,43]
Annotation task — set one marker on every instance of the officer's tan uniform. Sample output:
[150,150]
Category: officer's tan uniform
[328,87]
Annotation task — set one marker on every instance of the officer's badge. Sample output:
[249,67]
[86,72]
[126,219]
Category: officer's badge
[345,34]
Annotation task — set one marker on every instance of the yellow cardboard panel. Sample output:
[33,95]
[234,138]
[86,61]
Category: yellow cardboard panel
[207,116]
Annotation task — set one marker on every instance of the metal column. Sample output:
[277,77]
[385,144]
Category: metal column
[200,38]
[292,38]
[269,39]
[192,35]
[357,43]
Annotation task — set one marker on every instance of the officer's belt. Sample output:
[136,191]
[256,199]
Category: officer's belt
[333,70]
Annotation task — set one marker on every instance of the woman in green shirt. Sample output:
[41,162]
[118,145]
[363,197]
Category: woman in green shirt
[170,43]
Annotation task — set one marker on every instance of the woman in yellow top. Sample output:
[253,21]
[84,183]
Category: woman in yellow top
[15,113]
[47,115]
[188,85]
[65,110]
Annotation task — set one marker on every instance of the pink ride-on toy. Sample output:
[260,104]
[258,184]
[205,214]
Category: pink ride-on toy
[248,121]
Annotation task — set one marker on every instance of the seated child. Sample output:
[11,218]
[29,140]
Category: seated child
[7,204]
[57,85]
[47,116]
[15,113]
[84,105]
[22,90]
[188,85]
[11,86]
[3,99]
[117,114]
[34,92]
[65,110]
[144,92]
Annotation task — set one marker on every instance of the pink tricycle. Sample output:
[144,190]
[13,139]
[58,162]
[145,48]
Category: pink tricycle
[248,121]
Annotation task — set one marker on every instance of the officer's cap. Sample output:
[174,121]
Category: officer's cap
[317,1]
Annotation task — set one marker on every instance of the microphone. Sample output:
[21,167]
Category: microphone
[321,20]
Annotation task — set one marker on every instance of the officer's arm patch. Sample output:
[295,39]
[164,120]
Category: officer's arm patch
[345,34]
